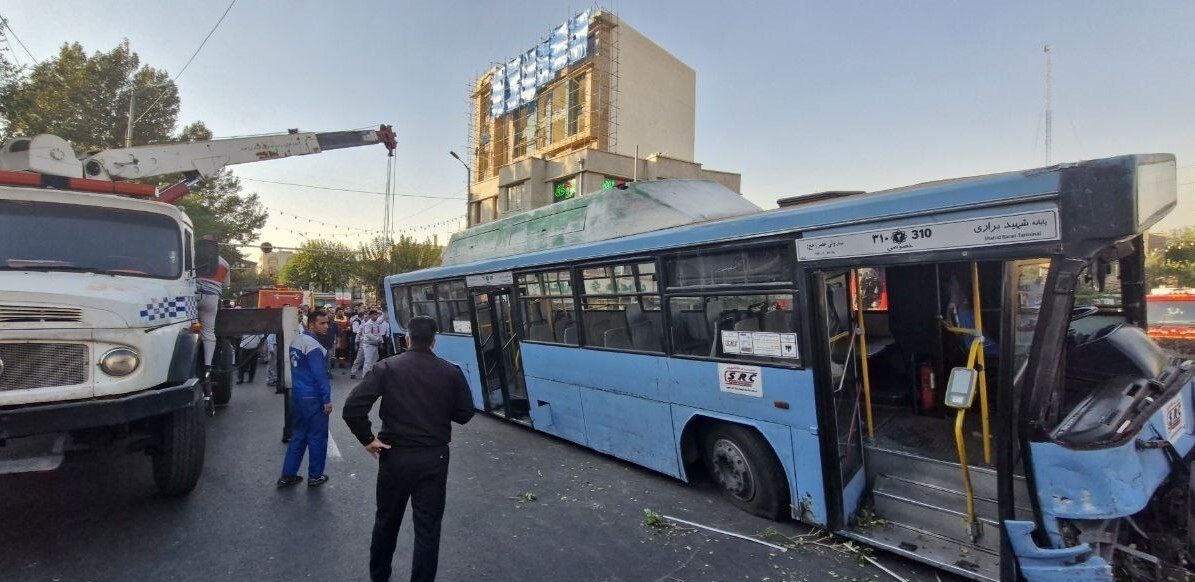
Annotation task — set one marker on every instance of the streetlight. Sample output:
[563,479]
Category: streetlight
[468,188]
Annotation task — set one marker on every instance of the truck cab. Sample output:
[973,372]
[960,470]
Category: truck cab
[97,336]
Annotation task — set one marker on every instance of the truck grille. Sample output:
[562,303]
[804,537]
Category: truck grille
[41,365]
[35,313]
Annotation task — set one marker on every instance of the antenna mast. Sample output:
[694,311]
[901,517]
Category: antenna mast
[1049,111]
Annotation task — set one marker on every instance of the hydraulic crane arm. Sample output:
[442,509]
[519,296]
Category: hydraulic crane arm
[53,156]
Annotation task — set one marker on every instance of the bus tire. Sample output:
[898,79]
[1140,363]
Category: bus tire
[746,470]
[178,456]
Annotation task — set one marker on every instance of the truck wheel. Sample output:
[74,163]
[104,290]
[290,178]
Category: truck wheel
[746,470]
[178,459]
[222,369]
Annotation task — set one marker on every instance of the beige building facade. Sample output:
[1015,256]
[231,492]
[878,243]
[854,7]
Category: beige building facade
[626,111]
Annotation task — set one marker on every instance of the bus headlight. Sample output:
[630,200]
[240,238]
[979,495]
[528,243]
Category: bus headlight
[120,362]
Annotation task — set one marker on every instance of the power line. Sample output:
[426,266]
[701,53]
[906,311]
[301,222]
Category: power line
[193,55]
[18,39]
[351,190]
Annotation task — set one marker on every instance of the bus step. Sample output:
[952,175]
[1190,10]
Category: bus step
[930,508]
[944,474]
[976,563]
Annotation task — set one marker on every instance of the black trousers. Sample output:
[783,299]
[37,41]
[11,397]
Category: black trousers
[421,476]
[247,363]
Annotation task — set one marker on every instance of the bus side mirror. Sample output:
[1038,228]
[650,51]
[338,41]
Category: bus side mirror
[960,388]
[207,257]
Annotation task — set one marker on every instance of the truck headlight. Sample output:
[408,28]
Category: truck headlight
[120,362]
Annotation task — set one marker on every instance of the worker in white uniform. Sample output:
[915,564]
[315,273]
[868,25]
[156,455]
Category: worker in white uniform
[368,338]
[209,289]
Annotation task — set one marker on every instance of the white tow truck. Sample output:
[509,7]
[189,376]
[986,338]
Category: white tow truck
[99,346]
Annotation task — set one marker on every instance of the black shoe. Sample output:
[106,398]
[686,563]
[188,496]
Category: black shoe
[285,440]
[240,381]
[285,481]
[352,376]
[317,481]
[271,383]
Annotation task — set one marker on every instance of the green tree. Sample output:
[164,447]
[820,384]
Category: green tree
[326,264]
[383,257]
[1173,266]
[85,99]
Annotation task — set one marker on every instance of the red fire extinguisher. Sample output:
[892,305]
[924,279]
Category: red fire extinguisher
[925,386]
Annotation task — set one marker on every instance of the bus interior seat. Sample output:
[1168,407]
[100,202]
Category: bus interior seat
[616,338]
[777,321]
[539,332]
[879,336]
[570,335]
[644,335]
[749,324]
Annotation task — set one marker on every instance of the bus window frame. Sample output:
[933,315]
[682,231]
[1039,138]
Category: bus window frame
[578,275]
[518,297]
[439,299]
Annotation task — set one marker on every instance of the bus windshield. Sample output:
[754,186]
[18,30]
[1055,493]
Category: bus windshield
[62,237]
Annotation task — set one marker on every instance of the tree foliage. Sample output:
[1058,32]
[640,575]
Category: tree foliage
[326,264]
[1173,266]
[85,99]
[383,257]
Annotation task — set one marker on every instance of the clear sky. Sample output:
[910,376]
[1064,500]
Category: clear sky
[796,96]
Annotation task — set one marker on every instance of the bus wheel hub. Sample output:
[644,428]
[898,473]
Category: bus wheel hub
[732,471]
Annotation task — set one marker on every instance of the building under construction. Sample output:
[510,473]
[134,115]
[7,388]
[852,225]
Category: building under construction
[595,104]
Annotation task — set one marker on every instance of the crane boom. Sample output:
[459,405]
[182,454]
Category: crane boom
[51,155]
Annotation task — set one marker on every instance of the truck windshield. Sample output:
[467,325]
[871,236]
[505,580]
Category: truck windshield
[63,237]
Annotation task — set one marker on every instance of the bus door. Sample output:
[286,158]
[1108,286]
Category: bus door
[840,358]
[498,353]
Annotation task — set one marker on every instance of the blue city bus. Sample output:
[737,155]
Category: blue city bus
[955,371]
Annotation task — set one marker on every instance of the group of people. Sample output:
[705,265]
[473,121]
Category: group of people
[421,395]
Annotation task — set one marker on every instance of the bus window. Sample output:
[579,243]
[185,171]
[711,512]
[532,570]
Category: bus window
[735,267]
[402,305]
[621,307]
[748,327]
[548,312]
[454,306]
[423,300]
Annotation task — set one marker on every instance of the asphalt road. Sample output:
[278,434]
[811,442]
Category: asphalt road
[521,506]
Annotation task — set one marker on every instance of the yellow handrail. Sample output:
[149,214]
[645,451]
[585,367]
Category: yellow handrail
[862,331]
[972,522]
[974,358]
[983,382]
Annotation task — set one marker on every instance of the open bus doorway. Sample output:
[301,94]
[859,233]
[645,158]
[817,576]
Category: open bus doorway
[503,387]
[893,335]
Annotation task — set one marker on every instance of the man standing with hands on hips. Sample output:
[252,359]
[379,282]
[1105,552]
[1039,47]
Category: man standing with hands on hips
[421,396]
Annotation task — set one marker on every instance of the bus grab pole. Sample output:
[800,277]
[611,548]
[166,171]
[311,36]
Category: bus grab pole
[861,329]
[983,382]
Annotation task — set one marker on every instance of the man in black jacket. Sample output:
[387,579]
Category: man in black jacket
[421,396]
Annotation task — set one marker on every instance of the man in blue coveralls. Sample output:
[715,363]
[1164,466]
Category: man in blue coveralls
[311,403]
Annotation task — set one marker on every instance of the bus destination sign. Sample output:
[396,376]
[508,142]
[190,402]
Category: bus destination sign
[953,234]
[490,279]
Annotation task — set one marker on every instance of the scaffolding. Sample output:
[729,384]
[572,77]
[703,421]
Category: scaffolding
[577,110]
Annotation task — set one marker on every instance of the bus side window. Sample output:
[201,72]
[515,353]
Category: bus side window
[716,327]
[188,253]
[546,301]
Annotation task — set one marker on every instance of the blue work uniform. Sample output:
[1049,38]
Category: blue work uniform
[311,391]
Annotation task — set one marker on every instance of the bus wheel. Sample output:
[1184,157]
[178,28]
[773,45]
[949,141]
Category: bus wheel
[742,464]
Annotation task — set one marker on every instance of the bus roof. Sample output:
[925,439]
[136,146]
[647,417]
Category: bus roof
[635,208]
[957,195]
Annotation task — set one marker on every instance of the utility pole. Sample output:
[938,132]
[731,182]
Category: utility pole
[128,130]
[1049,110]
